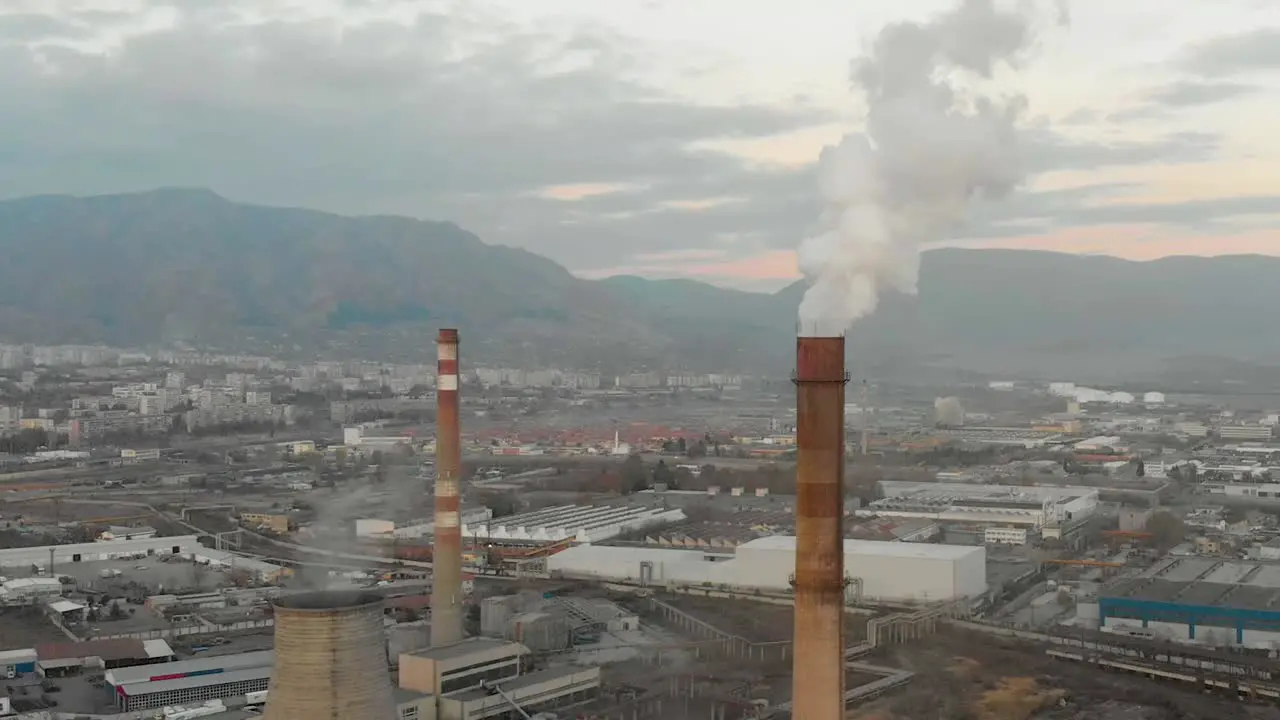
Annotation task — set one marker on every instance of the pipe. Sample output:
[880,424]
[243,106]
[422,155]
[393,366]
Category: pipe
[818,666]
[446,555]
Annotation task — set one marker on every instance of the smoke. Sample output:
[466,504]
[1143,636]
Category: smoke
[934,141]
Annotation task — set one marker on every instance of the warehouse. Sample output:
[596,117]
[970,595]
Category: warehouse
[260,570]
[1005,505]
[91,552]
[1208,600]
[581,523]
[892,572]
[190,681]
[17,662]
[70,658]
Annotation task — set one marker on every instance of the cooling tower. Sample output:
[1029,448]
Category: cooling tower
[446,555]
[331,661]
[818,665]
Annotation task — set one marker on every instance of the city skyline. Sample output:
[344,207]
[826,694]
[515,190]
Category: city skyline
[658,138]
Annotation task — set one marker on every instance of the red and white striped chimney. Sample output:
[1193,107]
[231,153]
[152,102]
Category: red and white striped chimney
[446,556]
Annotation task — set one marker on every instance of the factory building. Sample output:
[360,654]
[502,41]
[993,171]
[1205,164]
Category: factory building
[467,516]
[70,658]
[92,552]
[17,662]
[190,681]
[1246,432]
[1001,505]
[260,570]
[891,572]
[1204,600]
[551,624]
[1242,490]
[460,676]
[580,523]
[29,591]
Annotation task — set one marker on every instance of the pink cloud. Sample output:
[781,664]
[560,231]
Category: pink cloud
[1130,241]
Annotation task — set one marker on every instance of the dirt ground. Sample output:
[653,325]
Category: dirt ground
[26,627]
[757,622]
[960,677]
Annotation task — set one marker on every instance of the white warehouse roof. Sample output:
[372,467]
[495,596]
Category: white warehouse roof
[892,549]
[583,523]
[892,572]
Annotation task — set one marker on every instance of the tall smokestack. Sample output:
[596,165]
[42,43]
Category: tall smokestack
[331,660]
[446,556]
[818,673]
[866,416]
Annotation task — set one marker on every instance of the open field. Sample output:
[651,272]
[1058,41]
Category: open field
[960,676]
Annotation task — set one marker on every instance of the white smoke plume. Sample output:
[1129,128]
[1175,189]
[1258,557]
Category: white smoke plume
[934,140]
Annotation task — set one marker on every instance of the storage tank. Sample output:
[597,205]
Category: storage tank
[331,659]
[494,613]
[540,631]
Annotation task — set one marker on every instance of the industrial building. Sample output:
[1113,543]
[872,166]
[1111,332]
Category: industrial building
[551,624]
[483,678]
[1004,505]
[59,659]
[891,572]
[29,591]
[92,552]
[190,681]
[1213,601]
[260,570]
[580,523]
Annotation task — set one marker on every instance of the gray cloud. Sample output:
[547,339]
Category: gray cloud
[1234,54]
[1189,93]
[453,117]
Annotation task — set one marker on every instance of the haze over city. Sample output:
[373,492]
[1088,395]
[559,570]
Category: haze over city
[651,138]
[639,360]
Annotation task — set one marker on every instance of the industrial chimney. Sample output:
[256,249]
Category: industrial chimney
[331,661]
[446,555]
[818,665]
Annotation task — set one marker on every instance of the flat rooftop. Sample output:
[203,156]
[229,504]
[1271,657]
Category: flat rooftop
[1211,582]
[467,647]
[872,547]
[951,493]
[516,684]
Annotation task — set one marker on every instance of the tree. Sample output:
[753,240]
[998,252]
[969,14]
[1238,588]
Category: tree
[682,446]
[1166,529]
[697,450]
[634,477]
[662,475]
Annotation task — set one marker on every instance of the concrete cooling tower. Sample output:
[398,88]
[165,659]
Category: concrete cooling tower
[331,661]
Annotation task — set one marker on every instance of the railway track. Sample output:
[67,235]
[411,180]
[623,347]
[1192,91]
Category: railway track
[1244,689]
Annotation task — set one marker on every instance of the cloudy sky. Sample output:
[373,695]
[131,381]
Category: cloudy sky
[660,137]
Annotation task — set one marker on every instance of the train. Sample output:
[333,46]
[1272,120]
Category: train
[1247,690]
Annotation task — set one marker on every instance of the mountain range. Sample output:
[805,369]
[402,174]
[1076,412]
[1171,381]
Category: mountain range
[181,265]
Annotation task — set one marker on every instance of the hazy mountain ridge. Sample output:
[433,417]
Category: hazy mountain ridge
[175,264]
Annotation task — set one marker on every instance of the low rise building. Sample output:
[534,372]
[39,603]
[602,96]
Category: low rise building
[999,505]
[1005,536]
[274,522]
[190,681]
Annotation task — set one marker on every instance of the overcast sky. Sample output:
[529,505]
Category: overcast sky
[660,137]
